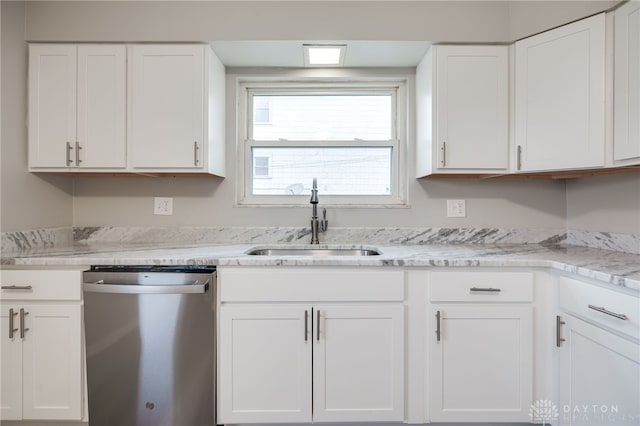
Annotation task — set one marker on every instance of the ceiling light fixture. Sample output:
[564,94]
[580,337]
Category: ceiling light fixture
[324,55]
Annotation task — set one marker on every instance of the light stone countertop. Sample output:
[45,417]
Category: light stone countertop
[615,268]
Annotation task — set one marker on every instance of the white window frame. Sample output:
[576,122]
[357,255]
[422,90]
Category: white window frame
[268,175]
[395,87]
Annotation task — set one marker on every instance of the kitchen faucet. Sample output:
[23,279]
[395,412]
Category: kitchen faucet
[317,225]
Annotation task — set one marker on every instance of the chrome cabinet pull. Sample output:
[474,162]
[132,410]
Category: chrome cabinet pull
[78,148]
[69,148]
[318,327]
[23,329]
[484,290]
[437,326]
[559,324]
[16,287]
[444,153]
[604,311]
[196,148]
[11,329]
[519,150]
[306,325]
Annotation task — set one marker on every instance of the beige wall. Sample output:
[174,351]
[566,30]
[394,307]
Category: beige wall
[605,203]
[34,201]
[27,200]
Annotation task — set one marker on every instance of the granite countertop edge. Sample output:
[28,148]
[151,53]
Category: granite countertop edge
[614,268]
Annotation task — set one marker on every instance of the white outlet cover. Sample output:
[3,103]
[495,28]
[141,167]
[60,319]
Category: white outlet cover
[456,208]
[163,206]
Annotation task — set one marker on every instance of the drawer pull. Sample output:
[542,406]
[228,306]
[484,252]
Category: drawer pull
[306,325]
[604,311]
[559,324]
[16,287]
[318,327]
[437,326]
[484,290]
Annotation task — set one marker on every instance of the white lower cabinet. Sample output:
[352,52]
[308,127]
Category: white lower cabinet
[598,335]
[599,376]
[302,363]
[311,346]
[41,346]
[481,348]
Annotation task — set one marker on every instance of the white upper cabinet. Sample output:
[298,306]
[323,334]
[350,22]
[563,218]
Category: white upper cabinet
[77,106]
[626,143]
[176,109]
[463,110]
[167,102]
[560,98]
[52,105]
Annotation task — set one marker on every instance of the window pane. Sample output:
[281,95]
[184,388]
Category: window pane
[261,166]
[323,117]
[340,171]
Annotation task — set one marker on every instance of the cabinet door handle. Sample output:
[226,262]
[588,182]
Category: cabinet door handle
[437,326]
[318,326]
[69,148]
[196,148]
[604,311]
[16,287]
[559,324]
[306,325]
[11,324]
[444,153]
[519,159]
[484,290]
[78,148]
[23,329]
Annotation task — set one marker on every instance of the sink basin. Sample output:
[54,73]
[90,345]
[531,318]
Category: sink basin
[312,252]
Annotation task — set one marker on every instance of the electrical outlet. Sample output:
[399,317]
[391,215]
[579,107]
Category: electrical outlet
[456,208]
[163,206]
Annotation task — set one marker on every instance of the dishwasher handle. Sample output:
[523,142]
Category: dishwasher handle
[100,287]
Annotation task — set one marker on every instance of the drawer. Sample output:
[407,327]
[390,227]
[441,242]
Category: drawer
[576,296]
[310,285]
[481,287]
[41,284]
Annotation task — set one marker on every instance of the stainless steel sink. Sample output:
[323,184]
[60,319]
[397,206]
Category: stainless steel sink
[312,252]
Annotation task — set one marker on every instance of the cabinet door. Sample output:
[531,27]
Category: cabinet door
[10,365]
[52,105]
[358,363]
[265,364]
[560,97]
[481,368]
[599,376]
[472,107]
[101,106]
[627,82]
[52,358]
[167,106]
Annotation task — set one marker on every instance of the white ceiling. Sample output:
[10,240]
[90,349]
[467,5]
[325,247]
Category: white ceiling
[289,53]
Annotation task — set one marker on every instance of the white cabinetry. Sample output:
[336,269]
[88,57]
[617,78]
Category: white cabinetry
[41,364]
[337,357]
[560,97]
[598,335]
[463,110]
[176,103]
[627,83]
[481,351]
[77,109]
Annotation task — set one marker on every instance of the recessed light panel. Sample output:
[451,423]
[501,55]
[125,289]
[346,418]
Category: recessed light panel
[324,55]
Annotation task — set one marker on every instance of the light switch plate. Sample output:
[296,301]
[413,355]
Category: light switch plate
[456,208]
[163,206]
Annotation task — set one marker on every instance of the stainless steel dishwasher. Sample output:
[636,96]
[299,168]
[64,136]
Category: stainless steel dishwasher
[150,340]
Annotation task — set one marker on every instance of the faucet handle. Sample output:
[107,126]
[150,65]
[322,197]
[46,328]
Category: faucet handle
[324,223]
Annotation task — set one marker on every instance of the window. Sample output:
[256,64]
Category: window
[345,135]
